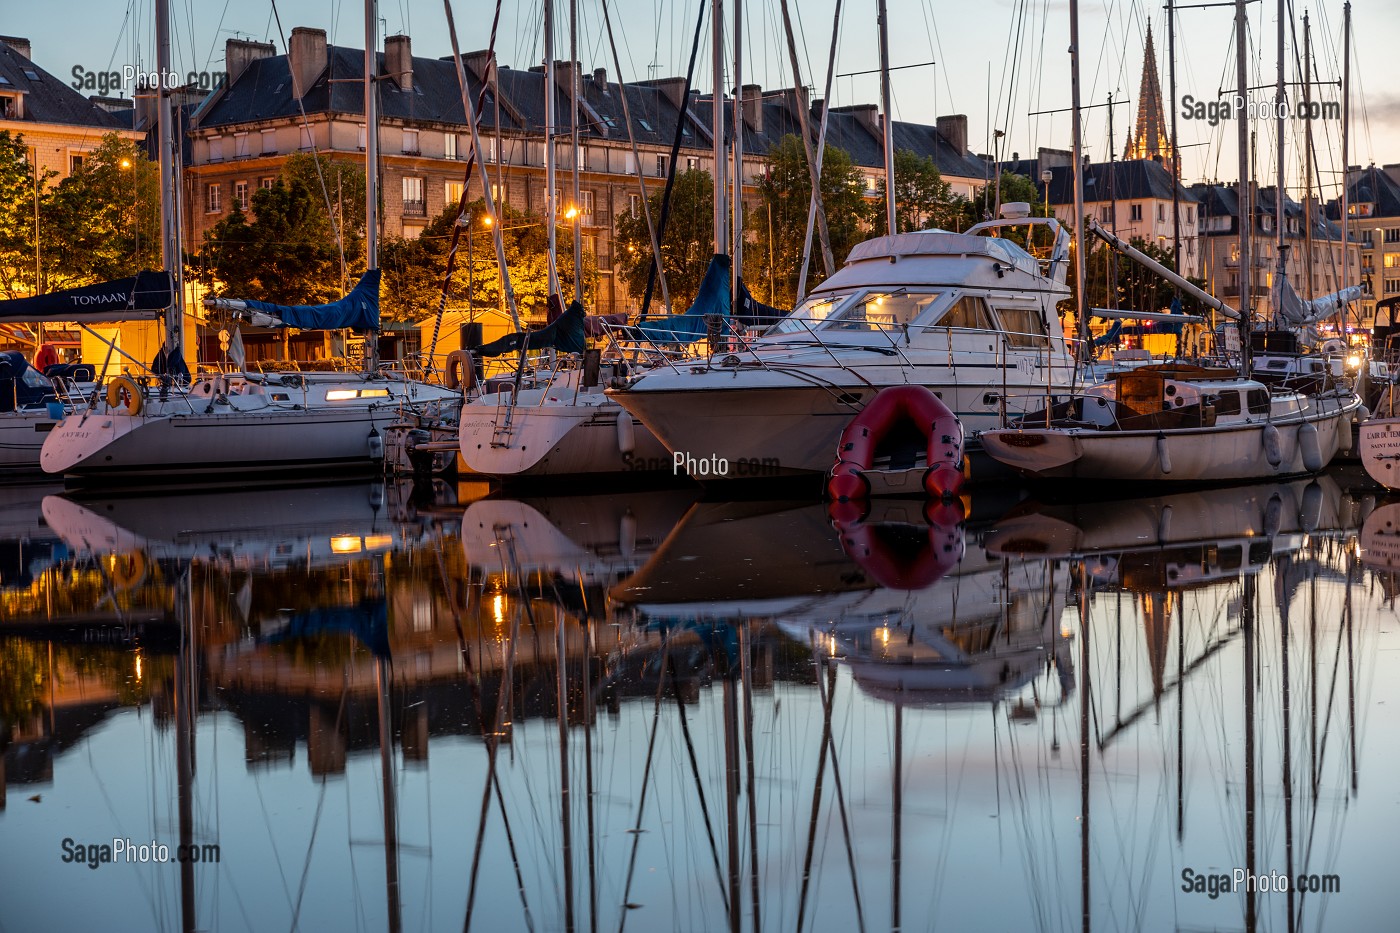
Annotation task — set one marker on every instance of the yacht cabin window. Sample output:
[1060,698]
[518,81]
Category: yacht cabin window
[877,310]
[810,315]
[1024,326]
[967,313]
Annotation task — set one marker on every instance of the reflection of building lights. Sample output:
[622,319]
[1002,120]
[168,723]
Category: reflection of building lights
[884,635]
[498,608]
[138,666]
[378,542]
[345,544]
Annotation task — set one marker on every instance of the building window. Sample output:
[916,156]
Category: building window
[410,142]
[306,137]
[216,148]
[240,145]
[490,149]
[269,142]
[1392,286]
[586,208]
[265,183]
[1135,212]
[1392,260]
[663,163]
[412,231]
[691,163]
[240,195]
[414,201]
[213,198]
[452,193]
[498,195]
[361,137]
[629,165]
[582,158]
[449,145]
[75,163]
[634,204]
[1106,214]
[1190,215]
[9,107]
[1161,213]
[1392,235]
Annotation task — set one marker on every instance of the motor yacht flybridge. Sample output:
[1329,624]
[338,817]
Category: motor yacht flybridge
[972,316]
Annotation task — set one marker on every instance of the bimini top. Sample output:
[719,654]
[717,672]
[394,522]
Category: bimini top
[945,243]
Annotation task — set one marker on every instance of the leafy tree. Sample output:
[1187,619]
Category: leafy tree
[922,198]
[1115,281]
[780,223]
[17,185]
[103,221]
[344,191]
[285,254]
[413,269]
[983,204]
[686,248]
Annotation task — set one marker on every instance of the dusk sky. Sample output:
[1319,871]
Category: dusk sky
[1006,62]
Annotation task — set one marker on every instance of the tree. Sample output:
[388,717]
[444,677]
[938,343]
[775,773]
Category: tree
[1115,281]
[686,248]
[103,221]
[339,187]
[17,194]
[780,222]
[984,200]
[922,198]
[413,269]
[286,254]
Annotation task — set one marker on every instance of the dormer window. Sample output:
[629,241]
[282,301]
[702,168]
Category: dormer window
[11,107]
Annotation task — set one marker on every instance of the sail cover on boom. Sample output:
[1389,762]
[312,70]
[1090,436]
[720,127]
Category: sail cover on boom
[712,298]
[359,309]
[144,295]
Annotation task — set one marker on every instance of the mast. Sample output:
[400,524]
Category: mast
[1176,156]
[573,137]
[391,807]
[169,194]
[1081,301]
[1307,159]
[551,208]
[888,129]
[371,162]
[737,142]
[1346,158]
[717,123]
[1279,102]
[1244,212]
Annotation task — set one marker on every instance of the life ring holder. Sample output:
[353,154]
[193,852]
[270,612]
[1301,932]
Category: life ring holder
[460,371]
[123,393]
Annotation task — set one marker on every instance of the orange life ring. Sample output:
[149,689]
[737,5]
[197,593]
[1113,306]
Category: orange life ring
[128,570]
[123,392]
[855,453]
[460,371]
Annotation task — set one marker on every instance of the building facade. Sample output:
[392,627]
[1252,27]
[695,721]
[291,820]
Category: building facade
[1374,207]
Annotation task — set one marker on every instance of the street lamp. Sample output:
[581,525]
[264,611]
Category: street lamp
[1045,176]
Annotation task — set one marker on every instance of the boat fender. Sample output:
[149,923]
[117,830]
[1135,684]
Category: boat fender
[376,444]
[1164,525]
[627,535]
[1273,446]
[845,513]
[124,393]
[1273,516]
[945,512]
[626,433]
[460,374]
[376,496]
[1310,513]
[847,482]
[1164,455]
[1311,448]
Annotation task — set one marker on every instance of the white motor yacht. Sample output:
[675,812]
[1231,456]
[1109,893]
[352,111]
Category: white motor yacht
[972,316]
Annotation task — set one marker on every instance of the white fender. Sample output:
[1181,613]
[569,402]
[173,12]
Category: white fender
[1310,513]
[627,535]
[1273,516]
[626,433]
[1310,447]
[1273,446]
[1164,457]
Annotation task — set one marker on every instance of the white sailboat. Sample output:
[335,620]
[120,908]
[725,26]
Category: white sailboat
[300,422]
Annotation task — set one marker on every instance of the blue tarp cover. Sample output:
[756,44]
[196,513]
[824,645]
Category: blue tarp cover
[143,295]
[368,622]
[359,309]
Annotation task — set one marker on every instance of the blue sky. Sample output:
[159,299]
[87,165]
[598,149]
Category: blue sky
[998,66]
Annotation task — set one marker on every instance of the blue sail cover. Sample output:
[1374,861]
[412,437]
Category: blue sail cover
[143,295]
[712,298]
[368,622]
[359,309]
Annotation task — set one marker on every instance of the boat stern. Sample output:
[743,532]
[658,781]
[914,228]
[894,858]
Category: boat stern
[1032,451]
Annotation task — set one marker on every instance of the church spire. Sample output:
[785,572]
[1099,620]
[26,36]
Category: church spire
[1149,139]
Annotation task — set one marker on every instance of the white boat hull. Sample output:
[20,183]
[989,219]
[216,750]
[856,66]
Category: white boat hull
[1380,450]
[1233,452]
[22,435]
[582,436]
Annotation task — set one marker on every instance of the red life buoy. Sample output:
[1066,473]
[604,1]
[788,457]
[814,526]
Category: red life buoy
[855,452]
[46,357]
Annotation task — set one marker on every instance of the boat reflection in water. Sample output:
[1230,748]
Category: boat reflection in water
[636,710]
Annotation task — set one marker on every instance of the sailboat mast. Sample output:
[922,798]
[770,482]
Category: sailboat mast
[1307,160]
[573,137]
[717,124]
[169,190]
[1081,314]
[1346,154]
[737,142]
[1176,156]
[1279,101]
[551,208]
[883,17]
[1244,211]
[371,162]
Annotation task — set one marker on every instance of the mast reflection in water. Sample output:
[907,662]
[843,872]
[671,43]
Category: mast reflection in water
[642,712]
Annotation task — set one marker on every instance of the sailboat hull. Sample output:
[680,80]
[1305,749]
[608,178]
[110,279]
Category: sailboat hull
[22,435]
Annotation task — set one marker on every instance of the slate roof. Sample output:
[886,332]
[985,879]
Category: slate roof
[1138,179]
[1219,200]
[1371,186]
[49,100]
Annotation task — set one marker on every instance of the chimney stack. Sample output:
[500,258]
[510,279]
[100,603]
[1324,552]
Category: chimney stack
[753,107]
[672,88]
[398,61]
[306,57]
[868,115]
[19,45]
[600,79]
[240,53]
[954,130]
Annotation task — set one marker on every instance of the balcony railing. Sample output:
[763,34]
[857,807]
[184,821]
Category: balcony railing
[415,208]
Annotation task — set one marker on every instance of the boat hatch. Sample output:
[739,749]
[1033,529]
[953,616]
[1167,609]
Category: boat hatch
[341,395]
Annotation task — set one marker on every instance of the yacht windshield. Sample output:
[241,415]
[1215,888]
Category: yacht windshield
[810,315]
[35,379]
[878,310]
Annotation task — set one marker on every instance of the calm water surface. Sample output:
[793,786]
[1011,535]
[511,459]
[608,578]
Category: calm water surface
[642,711]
